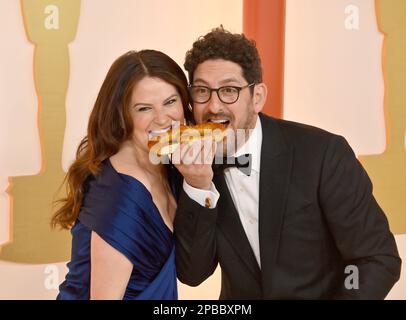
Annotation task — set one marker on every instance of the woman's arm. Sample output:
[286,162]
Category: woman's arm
[110,271]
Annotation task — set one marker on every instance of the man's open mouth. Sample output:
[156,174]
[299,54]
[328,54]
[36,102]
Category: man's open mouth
[226,122]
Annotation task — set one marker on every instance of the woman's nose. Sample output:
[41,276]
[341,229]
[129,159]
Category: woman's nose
[162,118]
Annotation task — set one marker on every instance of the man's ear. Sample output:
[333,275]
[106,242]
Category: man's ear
[259,96]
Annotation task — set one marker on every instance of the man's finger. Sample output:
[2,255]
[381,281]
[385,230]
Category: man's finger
[193,155]
[212,148]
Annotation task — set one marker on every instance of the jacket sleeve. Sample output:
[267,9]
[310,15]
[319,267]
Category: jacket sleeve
[358,225]
[195,238]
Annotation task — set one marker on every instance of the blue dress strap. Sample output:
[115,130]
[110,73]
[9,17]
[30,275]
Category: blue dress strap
[121,211]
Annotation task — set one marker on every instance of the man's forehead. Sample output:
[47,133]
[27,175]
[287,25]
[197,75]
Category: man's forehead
[220,71]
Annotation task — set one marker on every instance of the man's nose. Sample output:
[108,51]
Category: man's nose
[214,105]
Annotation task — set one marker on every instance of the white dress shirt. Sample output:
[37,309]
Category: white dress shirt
[244,189]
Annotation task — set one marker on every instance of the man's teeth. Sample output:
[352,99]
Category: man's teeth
[218,120]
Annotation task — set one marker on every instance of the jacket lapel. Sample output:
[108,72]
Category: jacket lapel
[230,224]
[276,163]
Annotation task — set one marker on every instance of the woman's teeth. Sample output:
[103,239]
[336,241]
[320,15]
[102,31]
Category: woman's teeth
[158,132]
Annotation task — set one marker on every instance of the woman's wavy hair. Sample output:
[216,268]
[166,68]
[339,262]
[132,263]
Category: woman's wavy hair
[110,122]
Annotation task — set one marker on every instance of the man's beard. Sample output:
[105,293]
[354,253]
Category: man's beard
[236,138]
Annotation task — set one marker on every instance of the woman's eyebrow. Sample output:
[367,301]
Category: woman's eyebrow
[171,96]
[141,104]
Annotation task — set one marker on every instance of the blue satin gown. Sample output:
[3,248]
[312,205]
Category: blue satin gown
[120,210]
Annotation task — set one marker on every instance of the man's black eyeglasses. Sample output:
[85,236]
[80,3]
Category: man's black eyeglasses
[226,94]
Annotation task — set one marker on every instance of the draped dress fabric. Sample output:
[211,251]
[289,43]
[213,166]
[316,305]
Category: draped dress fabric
[120,210]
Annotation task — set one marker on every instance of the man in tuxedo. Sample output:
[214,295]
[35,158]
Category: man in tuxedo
[298,220]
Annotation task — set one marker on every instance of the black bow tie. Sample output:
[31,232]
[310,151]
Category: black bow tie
[243,163]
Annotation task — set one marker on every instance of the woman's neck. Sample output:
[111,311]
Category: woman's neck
[131,157]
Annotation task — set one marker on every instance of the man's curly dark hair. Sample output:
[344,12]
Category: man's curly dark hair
[222,44]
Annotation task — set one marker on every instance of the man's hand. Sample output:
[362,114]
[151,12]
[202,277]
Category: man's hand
[194,160]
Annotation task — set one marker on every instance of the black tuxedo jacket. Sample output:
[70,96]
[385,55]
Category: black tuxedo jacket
[317,215]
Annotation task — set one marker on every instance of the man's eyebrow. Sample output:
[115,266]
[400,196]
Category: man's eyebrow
[221,82]
[200,80]
[229,80]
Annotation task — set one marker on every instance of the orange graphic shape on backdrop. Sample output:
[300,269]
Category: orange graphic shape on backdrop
[264,21]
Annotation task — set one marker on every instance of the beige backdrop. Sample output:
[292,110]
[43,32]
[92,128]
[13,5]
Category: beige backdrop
[334,80]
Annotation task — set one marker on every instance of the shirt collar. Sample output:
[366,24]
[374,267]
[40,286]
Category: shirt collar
[253,146]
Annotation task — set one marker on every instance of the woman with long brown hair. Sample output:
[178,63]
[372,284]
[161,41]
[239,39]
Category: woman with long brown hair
[120,206]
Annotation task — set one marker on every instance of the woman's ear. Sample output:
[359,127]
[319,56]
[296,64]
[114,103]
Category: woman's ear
[259,98]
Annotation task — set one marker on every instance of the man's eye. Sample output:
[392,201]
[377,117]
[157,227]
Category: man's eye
[228,90]
[201,90]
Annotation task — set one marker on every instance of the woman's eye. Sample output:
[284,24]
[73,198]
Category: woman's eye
[170,102]
[143,109]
